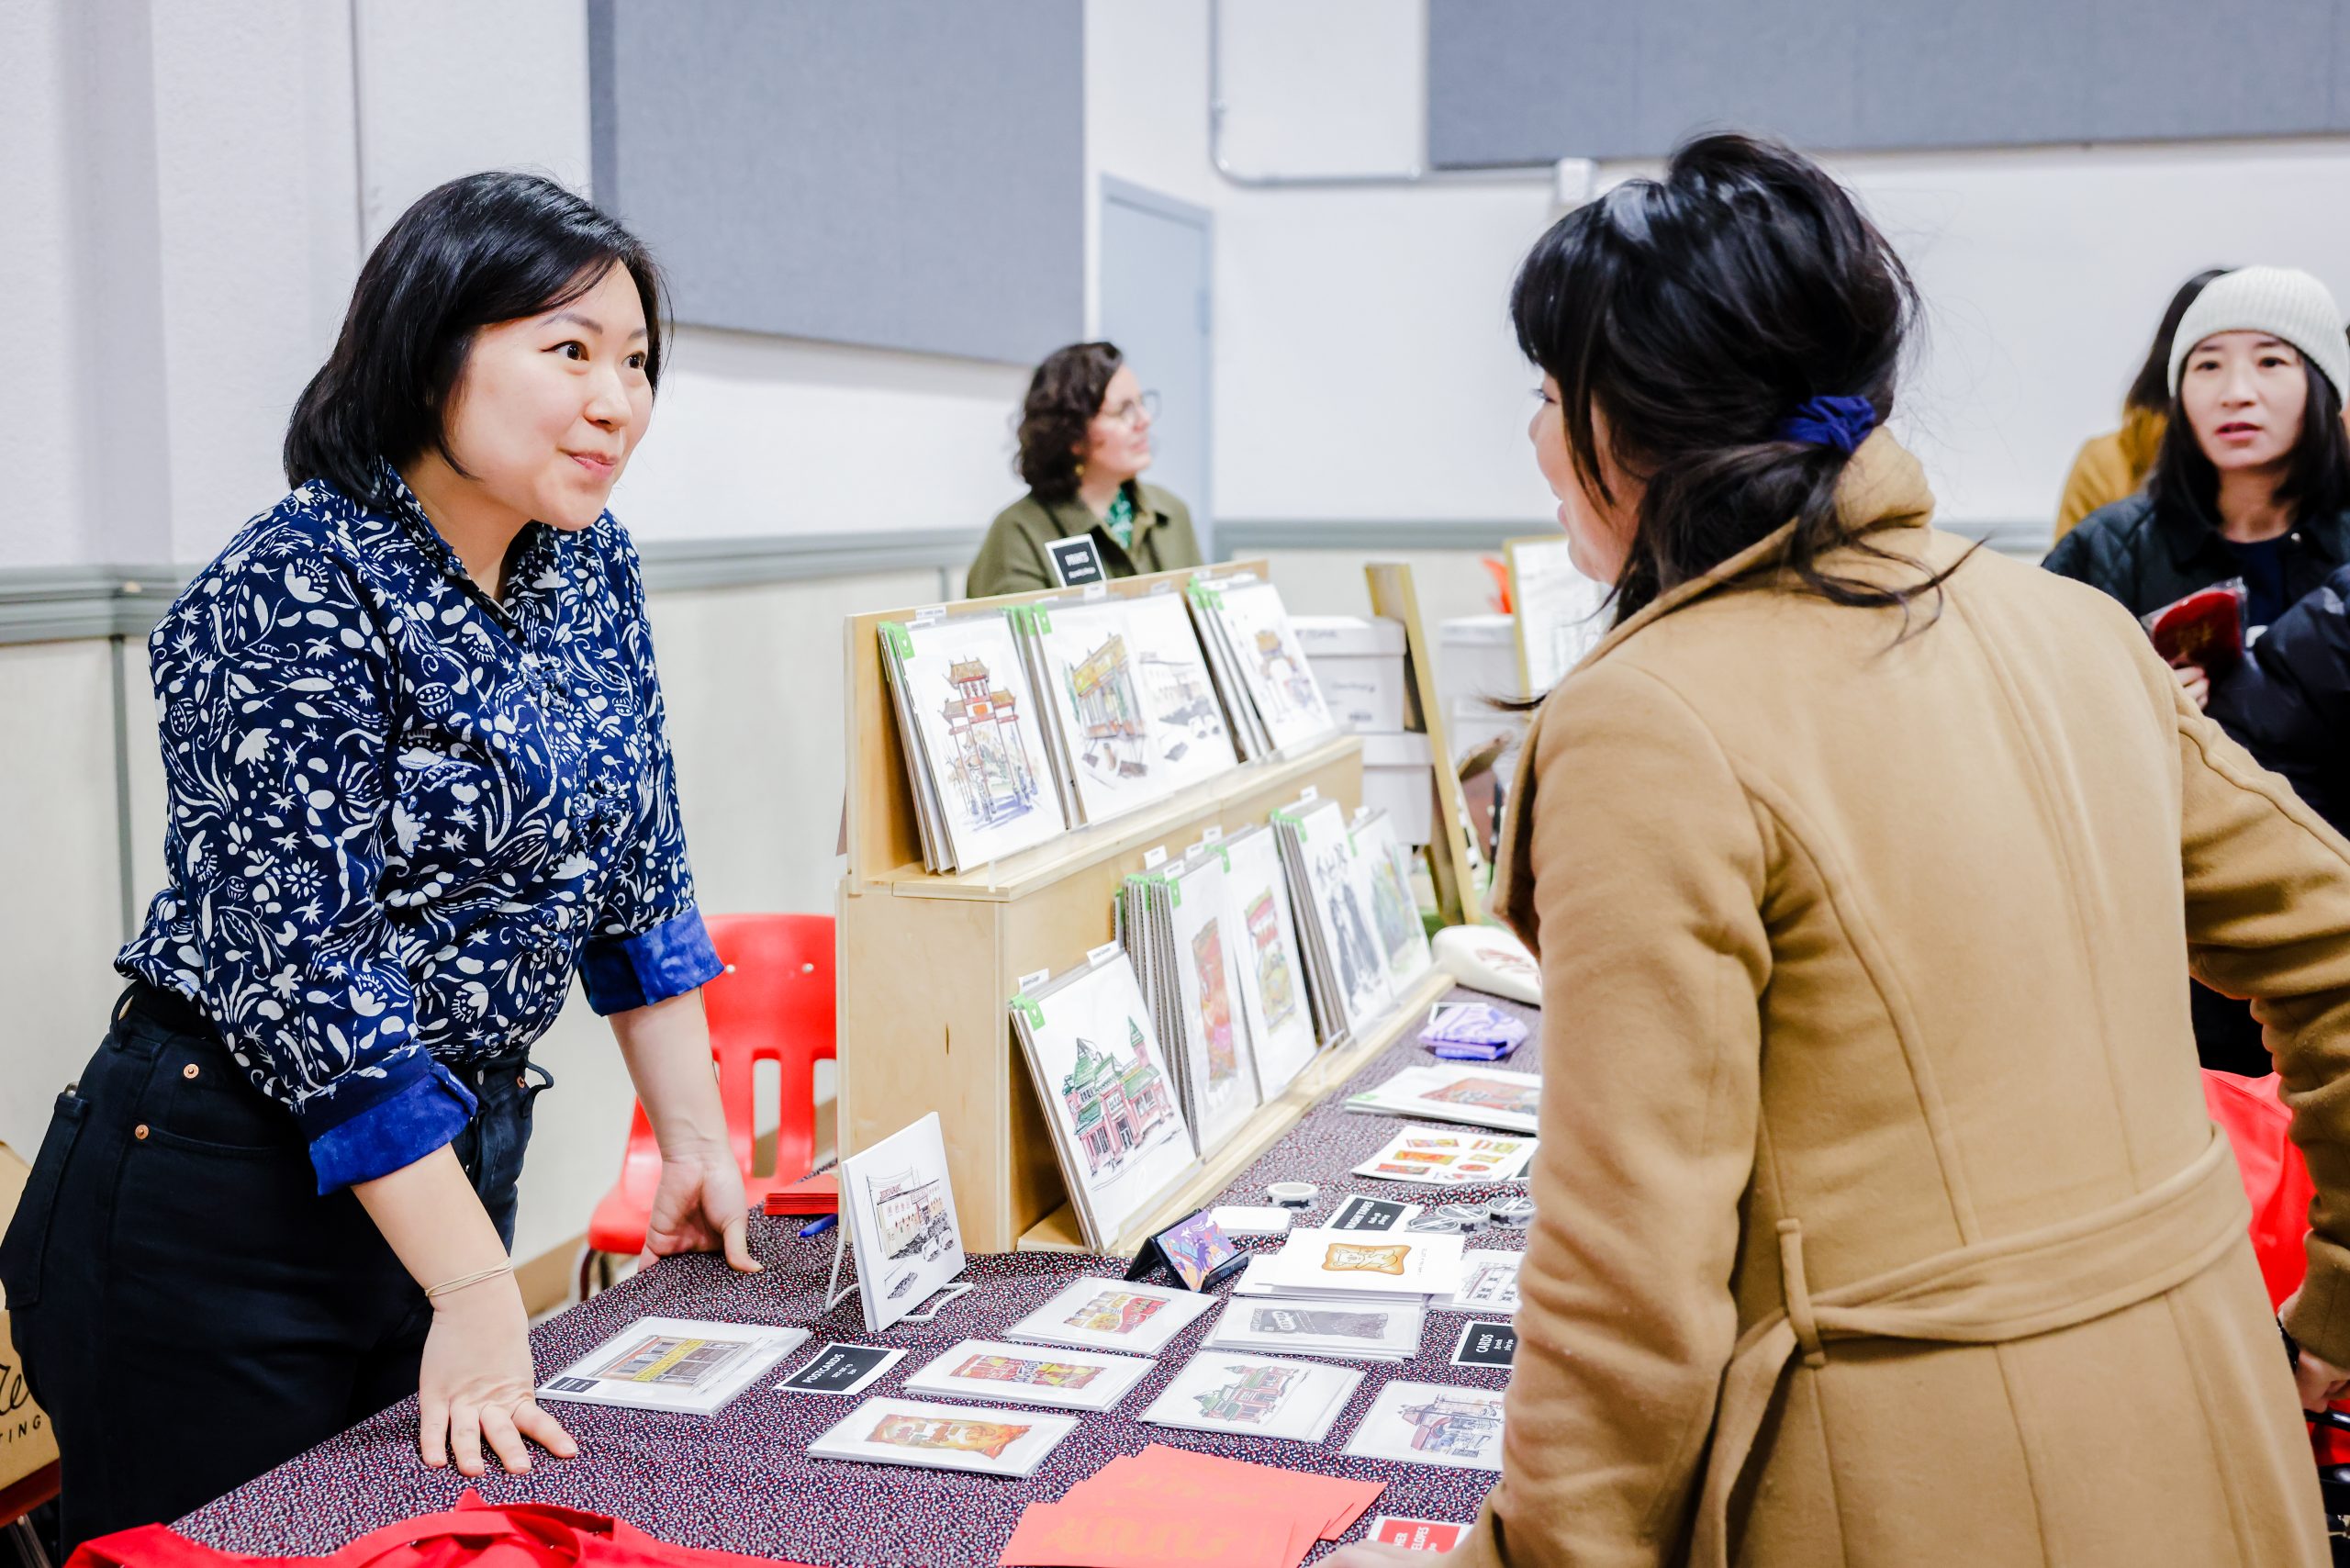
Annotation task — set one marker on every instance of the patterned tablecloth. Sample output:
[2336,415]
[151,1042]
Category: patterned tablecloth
[742,1481]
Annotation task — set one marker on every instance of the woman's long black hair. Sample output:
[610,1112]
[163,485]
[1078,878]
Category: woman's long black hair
[2151,390]
[1694,314]
[480,250]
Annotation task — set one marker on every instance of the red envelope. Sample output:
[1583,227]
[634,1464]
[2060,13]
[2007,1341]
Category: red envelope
[1088,1535]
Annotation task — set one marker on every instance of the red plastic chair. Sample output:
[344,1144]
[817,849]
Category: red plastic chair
[775,1002]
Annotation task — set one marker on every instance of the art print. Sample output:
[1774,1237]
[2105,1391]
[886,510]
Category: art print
[1217,1049]
[1347,1260]
[899,1204]
[1488,1283]
[1189,741]
[1481,1096]
[1428,1423]
[945,1437]
[679,1364]
[1280,681]
[1088,660]
[1429,1158]
[1224,1392]
[989,1369]
[1404,940]
[969,693]
[1109,1315]
[1272,999]
[1098,1067]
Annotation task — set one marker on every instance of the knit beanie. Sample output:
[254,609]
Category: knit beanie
[2284,302]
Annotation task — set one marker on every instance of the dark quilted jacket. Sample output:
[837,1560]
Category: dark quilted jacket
[2289,703]
[2148,557]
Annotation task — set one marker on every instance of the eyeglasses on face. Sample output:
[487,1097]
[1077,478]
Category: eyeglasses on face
[1135,411]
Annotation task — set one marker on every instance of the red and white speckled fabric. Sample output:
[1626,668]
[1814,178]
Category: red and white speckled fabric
[742,1481]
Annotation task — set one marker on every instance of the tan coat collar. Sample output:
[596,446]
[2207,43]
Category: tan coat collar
[1883,486]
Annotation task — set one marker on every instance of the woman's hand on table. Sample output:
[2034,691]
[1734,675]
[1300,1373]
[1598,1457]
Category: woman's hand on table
[477,1383]
[699,1207]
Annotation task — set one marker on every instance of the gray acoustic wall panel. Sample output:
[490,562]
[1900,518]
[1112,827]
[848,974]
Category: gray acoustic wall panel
[1517,82]
[901,173]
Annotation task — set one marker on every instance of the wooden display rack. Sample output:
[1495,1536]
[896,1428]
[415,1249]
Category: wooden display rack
[928,963]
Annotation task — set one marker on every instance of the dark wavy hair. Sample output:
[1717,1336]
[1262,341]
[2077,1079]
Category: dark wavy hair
[2316,482]
[2151,390]
[1693,313]
[480,250]
[1063,396]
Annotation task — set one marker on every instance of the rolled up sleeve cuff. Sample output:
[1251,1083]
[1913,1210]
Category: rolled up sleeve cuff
[423,1108]
[674,957]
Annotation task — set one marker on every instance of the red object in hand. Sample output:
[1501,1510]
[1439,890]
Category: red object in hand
[2205,629]
[473,1535]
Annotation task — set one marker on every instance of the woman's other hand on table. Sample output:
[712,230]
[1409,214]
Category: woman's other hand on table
[476,1381]
[699,1207]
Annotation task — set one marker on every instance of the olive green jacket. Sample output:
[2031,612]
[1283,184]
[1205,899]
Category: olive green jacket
[1012,558]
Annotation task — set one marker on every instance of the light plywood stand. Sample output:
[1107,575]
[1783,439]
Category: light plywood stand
[929,963]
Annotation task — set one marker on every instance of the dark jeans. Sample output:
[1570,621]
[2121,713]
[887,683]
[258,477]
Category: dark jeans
[190,1311]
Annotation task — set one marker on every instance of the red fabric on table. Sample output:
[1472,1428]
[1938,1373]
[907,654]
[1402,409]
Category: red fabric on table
[474,1534]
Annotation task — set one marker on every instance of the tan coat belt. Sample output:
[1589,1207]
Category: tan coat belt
[1995,1291]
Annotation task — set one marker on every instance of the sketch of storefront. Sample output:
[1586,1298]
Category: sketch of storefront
[1273,961]
[911,1210]
[1113,1107]
[1109,720]
[1463,1427]
[987,749]
[1181,703]
[1251,1396]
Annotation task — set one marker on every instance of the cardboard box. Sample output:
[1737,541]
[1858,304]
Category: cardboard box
[1358,664]
[1398,776]
[27,1441]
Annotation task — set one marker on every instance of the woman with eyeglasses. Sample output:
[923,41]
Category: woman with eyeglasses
[1084,442]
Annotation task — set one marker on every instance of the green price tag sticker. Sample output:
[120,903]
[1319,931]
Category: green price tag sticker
[1027,1007]
[894,634]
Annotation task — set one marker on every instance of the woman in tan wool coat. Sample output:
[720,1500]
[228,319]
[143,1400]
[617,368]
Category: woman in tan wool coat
[1878,1219]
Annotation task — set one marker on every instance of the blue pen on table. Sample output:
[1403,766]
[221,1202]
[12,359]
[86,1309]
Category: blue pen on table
[819,1226]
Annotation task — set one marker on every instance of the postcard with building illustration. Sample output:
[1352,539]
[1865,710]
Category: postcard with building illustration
[1304,1326]
[898,1206]
[981,734]
[1189,739]
[1488,1283]
[1271,986]
[1029,1374]
[1339,880]
[992,1441]
[1441,1156]
[1395,910]
[1272,666]
[1432,1422]
[682,1364]
[1364,1260]
[1086,658]
[1263,1397]
[1458,1092]
[1219,1061]
[1098,1067]
[1112,1314]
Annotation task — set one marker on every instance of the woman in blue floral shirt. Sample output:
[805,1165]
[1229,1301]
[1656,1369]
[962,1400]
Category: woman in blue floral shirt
[419,779]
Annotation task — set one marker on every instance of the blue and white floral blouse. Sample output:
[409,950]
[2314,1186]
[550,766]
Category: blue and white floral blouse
[403,814]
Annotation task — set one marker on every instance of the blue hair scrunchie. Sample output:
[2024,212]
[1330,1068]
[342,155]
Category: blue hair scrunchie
[1840,422]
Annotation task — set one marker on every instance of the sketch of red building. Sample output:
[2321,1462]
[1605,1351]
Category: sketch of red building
[1113,1108]
[988,751]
